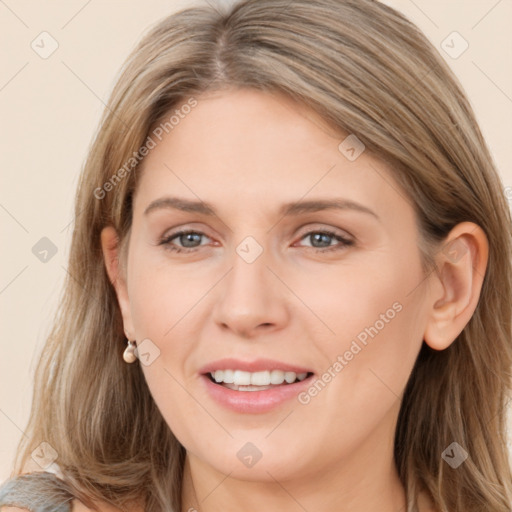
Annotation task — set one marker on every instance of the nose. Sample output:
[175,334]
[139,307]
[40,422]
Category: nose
[251,299]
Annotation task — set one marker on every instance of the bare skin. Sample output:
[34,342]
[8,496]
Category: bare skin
[246,153]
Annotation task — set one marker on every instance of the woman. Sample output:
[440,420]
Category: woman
[290,280]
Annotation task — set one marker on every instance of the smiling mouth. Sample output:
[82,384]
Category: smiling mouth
[239,380]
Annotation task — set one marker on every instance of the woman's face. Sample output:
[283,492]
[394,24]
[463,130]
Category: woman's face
[271,280]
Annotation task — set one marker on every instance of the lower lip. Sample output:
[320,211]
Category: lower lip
[254,401]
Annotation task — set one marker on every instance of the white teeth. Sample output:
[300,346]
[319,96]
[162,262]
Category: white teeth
[229,376]
[276,377]
[290,377]
[260,379]
[263,378]
[241,378]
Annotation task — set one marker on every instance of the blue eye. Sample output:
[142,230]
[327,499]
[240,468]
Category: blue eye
[188,240]
[191,240]
[324,238]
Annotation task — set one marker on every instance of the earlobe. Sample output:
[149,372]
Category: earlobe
[455,288]
[110,248]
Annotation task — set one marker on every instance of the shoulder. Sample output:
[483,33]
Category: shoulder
[76,506]
[31,491]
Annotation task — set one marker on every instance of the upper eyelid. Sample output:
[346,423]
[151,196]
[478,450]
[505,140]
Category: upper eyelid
[331,229]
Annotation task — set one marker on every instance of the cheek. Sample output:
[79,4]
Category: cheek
[351,298]
[368,360]
[162,302]
[161,294]
[372,326]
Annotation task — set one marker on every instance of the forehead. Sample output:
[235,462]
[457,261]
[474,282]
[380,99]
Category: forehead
[242,124]
[248,149]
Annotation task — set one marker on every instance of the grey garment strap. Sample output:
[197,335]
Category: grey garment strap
[38,492]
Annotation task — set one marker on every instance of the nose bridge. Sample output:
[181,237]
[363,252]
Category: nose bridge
[248,298]
[248,277]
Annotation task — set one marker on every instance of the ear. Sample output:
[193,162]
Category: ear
[110,247]
[456,286]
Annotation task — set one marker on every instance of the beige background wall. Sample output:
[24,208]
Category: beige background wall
[50,108]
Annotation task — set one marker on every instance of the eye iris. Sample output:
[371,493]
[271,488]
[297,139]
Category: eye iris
[193,239]
[189,237]
[323,238]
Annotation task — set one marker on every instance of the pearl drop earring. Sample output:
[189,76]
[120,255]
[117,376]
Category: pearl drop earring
[129,353]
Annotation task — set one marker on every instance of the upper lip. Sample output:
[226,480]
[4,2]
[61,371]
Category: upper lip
[257,365]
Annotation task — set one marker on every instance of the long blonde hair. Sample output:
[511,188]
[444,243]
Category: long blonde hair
[368,71]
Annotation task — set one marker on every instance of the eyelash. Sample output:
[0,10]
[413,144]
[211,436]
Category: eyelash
[166,241]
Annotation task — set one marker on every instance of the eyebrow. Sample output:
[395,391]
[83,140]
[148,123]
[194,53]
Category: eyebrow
[294,208]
